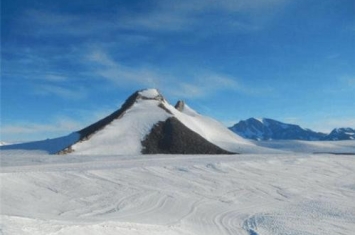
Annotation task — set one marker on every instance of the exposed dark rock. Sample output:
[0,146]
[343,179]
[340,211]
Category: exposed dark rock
[180,105]
[172,137]
[162,106]
[66,151]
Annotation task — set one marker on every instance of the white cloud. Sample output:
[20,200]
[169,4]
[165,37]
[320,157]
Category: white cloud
[187,14]
[37,131]
[63,92]
[122,75]
[56,126]
[340,122]
[34,128]
[45,22]
[195,84]
[164,20]
[326,125]
[183,15]
[55,78]
[189,90]
[203,84]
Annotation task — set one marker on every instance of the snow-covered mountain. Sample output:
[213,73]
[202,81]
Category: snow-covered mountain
[269,129]
[146,123]
[341,134]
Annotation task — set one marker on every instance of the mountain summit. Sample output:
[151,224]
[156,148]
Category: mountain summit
[147,124]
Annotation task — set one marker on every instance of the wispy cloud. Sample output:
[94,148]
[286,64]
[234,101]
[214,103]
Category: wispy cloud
[35,131]
[328,124]
[119,74]
[341,122]
[204,83]
[185,15]
[45,22]
[63,92]
[56,126]
[197,83]
[32,128]
[54,78]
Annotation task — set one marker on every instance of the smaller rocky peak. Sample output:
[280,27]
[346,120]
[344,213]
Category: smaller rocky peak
[149,94]
[180,105]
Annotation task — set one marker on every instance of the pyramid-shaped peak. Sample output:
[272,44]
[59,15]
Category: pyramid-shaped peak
[150,94]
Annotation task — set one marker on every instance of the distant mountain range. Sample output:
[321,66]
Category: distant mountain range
[269,129]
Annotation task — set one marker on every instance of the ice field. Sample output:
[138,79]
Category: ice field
[255,194]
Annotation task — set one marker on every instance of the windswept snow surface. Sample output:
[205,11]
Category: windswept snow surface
[251,194]
[335,147]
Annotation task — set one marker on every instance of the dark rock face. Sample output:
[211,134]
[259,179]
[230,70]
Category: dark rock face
[172,137]
[180,105]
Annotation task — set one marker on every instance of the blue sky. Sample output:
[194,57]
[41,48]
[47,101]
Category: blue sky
[65,64]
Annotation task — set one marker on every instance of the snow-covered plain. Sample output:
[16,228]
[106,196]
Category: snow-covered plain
[255,194]
[301,146]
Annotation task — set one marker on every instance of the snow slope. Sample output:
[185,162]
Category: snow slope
[177,194]
[335,147]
